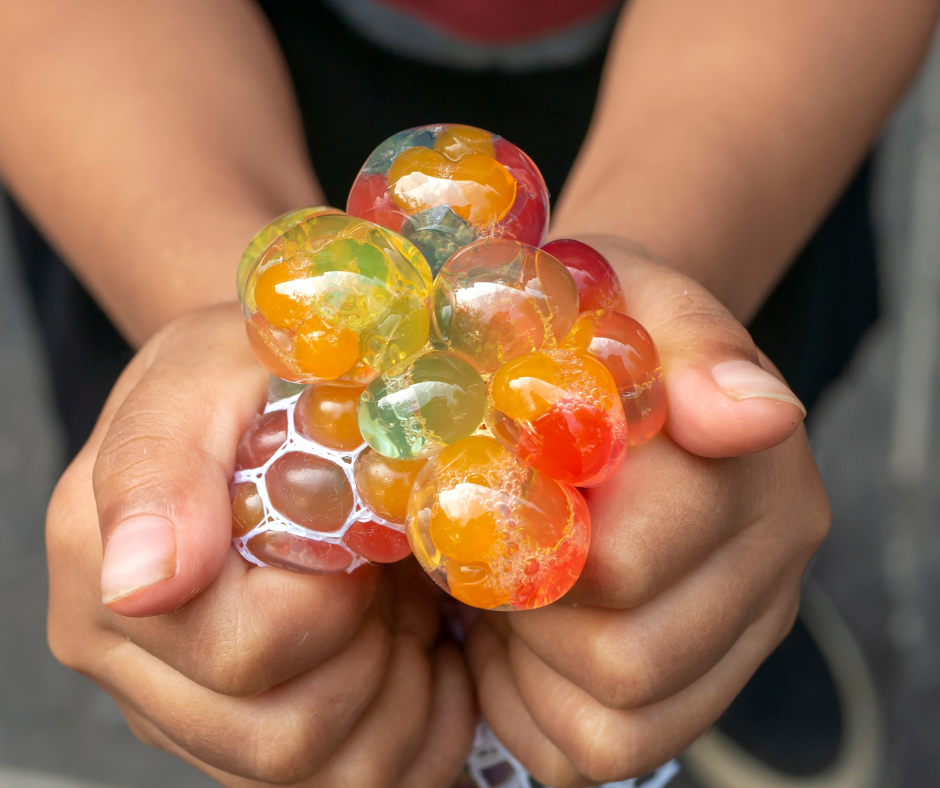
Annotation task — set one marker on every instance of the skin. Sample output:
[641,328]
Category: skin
[151,140]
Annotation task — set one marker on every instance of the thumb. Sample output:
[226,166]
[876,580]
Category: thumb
[162,473]
[725,399]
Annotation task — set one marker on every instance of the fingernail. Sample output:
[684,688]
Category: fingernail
[140,552]
[743,380]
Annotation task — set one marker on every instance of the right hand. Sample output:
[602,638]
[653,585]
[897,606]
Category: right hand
[255,676]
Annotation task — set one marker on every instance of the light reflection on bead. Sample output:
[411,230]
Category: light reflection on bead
[446,185]
[493,532]
[626,349]
[496,300]
[560,411]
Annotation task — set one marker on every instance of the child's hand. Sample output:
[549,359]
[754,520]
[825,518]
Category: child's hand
[695,564]
[273,676]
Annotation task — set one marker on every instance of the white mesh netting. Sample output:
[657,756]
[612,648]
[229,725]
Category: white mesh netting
[490,765]
[273,520]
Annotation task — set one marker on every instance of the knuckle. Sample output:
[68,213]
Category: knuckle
[599,757]
[624,577]
[231,661]
[618,680]
[286,754]
[693,313]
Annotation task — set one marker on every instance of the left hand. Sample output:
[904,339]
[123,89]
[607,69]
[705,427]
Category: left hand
[698,547]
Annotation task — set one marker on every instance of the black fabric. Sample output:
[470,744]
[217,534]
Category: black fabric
[84,350]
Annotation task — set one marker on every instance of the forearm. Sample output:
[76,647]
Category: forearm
[149,140]
[725,129]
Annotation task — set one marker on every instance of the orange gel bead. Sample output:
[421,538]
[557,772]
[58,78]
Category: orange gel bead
[493,532]
[561,412]
[247,508]
[477,188]
[326,414]
[324,351]
[527,387]
[626,349]
[280,296]
[385,484]
[457,141]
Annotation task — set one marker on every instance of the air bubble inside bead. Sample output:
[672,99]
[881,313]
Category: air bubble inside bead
[447,185]
[268,234]
[560,411]
[337,298]
[493,532]
[417,408]
[496,300]
[626,349]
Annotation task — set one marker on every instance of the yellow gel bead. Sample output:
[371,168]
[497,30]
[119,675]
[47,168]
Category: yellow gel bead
[456,141]
[527,387]
[324,351]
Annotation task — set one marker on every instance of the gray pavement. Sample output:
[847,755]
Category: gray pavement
[877,450]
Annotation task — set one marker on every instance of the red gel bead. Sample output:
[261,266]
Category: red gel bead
[598,286]
[296,554]
[310,491]
[528,217]
[571,444]
[622,345]
[264,436]
[377,543]
[369,200]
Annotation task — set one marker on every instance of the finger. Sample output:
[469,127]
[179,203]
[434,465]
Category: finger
[162,472]
[389,734]
[394,735]
[608,745]
[255,628]
[250,630]
[722,402]
[450,726]
[505,712]
[667,510]
[633,658]
[285,734]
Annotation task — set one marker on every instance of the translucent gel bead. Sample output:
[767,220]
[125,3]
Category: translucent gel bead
[494,533]
[560,412]
[310,491]
[267,234]
[417,408]
[598,285]
[377,543]
[337,298]
[326,414]
[496,300]
[385,484]
[247,508]
[625,348]
[297,554]
[264,436]
[447,185]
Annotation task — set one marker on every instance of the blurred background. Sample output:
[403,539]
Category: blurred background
[875,438]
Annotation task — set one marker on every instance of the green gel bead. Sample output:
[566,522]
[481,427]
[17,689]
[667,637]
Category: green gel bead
[419,407]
